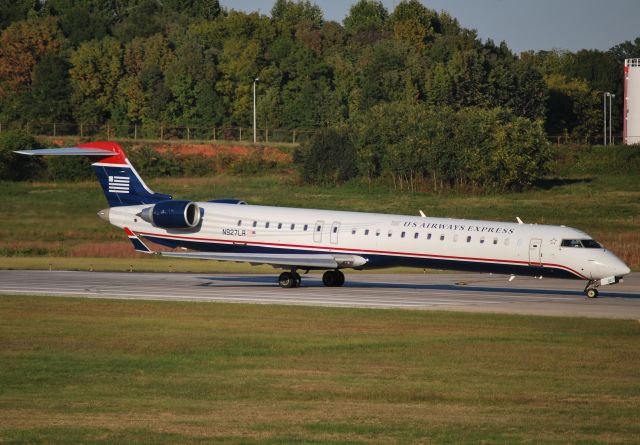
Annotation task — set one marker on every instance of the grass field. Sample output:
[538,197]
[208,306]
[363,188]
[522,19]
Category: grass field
[596,189]
[121,372]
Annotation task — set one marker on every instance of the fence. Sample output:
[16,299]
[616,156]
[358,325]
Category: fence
[163,132]
[224,133]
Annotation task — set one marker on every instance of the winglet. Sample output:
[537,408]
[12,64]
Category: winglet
[137,243]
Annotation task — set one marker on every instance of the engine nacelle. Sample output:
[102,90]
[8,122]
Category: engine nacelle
[173,214]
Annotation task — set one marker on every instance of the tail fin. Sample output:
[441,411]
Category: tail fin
[121,183]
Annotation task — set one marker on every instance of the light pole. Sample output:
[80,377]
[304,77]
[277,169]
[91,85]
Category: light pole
[254,110]
[611,96]
[604,113]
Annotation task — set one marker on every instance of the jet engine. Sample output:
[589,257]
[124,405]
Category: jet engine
[174,214]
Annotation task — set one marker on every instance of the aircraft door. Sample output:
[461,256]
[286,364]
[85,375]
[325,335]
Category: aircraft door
[535,252]
[317,231]
[335,227]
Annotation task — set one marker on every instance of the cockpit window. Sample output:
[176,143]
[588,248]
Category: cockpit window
[591,244]
[586,243]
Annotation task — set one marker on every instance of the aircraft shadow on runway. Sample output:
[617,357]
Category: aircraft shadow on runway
[262,280]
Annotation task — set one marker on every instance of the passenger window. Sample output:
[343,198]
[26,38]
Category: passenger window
[255,223]
[318,228]
[415,235]
[441,237]
[377,233]
[279,225]
[482,240]
[389,234]
[428,236]
[402,235]
[468,239]
[335,230]
[306,226]
[353,231]
[266,225]
[366,232]
[239,222]
[495,241]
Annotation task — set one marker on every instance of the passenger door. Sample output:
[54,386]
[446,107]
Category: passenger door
[535,252]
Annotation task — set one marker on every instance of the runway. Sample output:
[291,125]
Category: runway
[458,292]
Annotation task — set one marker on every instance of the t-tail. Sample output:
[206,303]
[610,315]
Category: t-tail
[121,183]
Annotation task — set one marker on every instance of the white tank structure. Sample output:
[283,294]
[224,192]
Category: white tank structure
[631,132]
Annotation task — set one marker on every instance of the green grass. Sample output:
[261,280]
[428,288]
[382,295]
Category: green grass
[596,190]
[100,371]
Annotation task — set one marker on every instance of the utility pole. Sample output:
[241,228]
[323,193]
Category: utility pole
[611,96]
[604,113]
[255,134]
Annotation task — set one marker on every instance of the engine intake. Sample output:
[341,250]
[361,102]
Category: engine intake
[173,214]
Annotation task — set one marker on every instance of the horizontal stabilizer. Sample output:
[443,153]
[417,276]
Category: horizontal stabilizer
[69,151]
[137,242]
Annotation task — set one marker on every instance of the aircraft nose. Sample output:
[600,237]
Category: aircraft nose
[623,270]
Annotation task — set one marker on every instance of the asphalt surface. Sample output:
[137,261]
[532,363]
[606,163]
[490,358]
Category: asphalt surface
[458,292]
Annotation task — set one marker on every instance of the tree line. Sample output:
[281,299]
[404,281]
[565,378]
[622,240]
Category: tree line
[193,63]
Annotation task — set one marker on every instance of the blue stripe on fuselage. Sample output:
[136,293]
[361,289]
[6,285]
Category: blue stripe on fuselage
[378,260]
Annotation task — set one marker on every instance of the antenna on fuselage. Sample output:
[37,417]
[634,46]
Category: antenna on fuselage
[519,220]
[422,214]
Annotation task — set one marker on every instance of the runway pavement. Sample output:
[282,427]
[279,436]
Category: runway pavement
[459,292]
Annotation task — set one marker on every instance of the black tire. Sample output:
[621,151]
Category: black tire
[340,277]
[591,293]
[329,278]
[298,279]
[286,280]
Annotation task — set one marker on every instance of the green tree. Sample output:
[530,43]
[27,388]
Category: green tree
[95,75]
[366,16]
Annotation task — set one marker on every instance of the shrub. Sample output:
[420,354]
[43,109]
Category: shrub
[15,167]
[328,157]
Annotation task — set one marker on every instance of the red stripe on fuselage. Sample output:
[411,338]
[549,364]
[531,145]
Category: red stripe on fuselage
[342,249]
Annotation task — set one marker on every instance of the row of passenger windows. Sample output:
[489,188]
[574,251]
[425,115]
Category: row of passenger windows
[416,235]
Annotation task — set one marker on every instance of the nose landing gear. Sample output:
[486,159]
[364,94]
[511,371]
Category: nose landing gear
[591,291]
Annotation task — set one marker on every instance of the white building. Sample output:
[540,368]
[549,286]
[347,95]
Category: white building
[631,133]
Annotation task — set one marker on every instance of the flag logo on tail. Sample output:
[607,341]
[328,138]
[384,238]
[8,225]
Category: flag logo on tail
[119,184]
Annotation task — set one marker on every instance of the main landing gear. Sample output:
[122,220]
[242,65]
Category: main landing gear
[331,278]
[287,280]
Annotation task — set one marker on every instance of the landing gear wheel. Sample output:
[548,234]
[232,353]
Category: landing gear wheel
[333,278]
[591,293]
[297,278]
[286,280]
[340,277]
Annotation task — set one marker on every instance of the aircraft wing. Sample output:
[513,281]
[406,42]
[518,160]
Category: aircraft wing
[310,260]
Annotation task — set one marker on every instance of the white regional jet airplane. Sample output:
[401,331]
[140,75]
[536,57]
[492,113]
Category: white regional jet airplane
[307,239]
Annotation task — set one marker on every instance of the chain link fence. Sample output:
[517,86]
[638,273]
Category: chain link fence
[150,132]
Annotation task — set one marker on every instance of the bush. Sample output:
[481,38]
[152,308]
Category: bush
[15,167]
[328,157]
[491,149]
[68,168]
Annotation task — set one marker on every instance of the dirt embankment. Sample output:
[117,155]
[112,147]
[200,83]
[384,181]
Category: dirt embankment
[235,151]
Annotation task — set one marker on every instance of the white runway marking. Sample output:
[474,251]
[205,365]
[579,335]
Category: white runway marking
[481,293]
